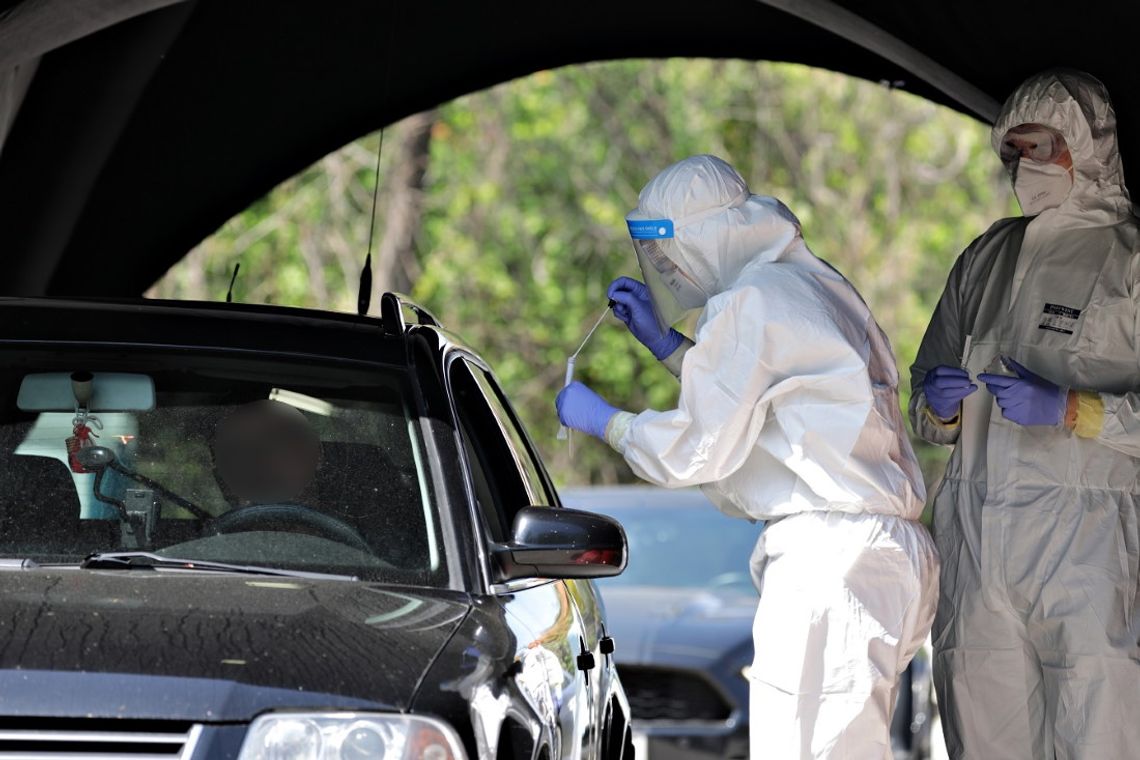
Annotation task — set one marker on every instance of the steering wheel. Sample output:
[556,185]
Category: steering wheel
[286,517]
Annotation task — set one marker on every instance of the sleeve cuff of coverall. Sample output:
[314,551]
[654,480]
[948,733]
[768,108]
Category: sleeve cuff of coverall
[941,424]
[673,361]
[616,429]
[1090,414]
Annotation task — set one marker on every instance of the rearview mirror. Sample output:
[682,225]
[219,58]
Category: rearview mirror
[101,391]
[561,543]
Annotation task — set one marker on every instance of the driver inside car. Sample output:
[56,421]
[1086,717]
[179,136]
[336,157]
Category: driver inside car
[265,452]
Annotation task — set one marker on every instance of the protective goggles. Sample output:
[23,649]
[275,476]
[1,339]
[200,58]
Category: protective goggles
[1033,141]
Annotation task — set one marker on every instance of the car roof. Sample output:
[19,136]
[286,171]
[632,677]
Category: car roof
[184,324]
[138,128]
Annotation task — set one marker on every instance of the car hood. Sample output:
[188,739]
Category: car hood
[682,627]
[209,647]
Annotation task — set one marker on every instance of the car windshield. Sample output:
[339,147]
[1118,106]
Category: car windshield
[250,461]
[683,546]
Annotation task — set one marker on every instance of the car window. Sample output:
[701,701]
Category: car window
[250,461]
[528,464]
[503,476]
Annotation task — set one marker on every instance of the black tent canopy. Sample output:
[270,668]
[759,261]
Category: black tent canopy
[131,129]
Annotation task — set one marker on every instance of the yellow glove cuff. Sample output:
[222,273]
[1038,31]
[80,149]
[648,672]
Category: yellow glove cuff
[1090,414]
[949,424]
[616,429]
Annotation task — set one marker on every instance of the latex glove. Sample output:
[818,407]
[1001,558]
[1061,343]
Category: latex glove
[582,409]
[633,306]
[1027,399]
[944,388]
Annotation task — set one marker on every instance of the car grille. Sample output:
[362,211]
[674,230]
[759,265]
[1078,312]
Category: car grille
[44,739]
[675,696]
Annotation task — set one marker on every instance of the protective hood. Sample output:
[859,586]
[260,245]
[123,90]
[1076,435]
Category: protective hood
[1076,105]
[718,226]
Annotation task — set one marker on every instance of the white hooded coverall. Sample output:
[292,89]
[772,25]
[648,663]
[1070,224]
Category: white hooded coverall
[1036,632]
[789,412]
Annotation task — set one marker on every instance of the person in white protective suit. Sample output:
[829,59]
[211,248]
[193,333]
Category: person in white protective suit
[1036,632]
[789,413]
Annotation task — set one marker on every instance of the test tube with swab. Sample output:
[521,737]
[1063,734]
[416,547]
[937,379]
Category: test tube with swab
[563,431]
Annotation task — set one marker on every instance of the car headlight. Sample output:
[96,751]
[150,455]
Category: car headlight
[349,736]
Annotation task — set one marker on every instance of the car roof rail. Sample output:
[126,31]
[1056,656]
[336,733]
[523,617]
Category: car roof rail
[398,311]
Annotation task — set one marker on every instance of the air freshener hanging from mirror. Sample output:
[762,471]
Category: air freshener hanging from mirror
[82,435]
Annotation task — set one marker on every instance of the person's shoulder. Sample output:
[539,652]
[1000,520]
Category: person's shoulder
[992,242]
[999,230]
[772,279]
[1006,224]
[775,275]
[770,288]
[791,305]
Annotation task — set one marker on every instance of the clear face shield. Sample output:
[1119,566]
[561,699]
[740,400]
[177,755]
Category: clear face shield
[672,291]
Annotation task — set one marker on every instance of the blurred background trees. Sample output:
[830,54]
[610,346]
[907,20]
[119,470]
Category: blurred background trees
[503,212]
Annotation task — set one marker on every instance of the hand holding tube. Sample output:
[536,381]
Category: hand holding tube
[582,409]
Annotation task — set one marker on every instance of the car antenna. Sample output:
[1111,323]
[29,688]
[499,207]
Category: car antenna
[364,295]
[364,292]
[233,279]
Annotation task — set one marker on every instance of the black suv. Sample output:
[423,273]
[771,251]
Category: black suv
[256,532]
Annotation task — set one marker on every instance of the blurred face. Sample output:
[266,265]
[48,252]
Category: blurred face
[266,453]
[1035,142]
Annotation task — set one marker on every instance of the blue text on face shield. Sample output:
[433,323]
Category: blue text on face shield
[650,229]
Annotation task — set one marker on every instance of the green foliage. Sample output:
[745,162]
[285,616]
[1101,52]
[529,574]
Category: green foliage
[527,188]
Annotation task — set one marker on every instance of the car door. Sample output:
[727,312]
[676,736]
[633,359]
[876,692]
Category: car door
[582,594]
[505,476]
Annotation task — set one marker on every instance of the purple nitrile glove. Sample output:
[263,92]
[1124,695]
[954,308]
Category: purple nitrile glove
[944,388]
[633,306]
[582,409]
[1027,399]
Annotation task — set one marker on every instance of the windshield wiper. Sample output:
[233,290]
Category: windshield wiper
[149,561]
[11,563]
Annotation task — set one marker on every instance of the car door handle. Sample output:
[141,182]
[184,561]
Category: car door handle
[585,660]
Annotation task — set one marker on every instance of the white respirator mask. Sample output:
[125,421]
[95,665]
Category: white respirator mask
[1040,186]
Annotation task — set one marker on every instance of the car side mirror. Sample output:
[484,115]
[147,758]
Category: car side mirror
[547,542]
